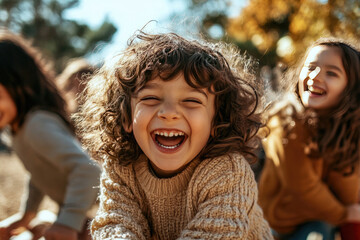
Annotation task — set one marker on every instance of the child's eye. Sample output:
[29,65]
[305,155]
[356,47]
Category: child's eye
[150,100]
[192,101]
[332,74]
[311,67]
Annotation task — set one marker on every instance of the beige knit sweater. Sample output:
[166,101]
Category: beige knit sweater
[212,199]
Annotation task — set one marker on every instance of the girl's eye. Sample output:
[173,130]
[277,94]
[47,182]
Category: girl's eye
[332,74]
[311,68]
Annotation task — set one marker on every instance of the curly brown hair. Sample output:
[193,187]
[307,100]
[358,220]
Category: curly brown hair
[106,113]
[336,132]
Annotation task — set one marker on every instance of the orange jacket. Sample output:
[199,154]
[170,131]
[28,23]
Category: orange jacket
[294,189]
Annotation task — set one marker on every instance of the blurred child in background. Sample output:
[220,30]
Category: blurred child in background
[42,137]
[310,181]
[72,81]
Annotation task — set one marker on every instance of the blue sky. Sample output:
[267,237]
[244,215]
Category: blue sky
[127,15]
[131,15]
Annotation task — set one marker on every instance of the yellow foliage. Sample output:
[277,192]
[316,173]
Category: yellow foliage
[264,22]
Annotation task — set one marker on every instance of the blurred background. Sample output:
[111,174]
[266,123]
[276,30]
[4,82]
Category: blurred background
[273,31]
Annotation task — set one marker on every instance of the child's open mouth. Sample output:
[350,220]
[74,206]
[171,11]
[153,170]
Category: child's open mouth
[314,89]
[168,139]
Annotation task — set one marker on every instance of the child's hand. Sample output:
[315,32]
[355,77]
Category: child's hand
[12,230]
[15,225]
[60,232]
[353,213]
[39,230]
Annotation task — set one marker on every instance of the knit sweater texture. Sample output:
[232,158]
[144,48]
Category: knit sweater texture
[295,189]
[58,167]
[210,199]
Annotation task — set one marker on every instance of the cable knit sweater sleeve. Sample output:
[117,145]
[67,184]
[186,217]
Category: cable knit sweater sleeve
[119,215]
[224,202]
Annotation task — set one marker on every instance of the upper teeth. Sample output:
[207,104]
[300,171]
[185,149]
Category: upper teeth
[315,90]
[169,134]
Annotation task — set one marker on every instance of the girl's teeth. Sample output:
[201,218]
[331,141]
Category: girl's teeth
[316,90]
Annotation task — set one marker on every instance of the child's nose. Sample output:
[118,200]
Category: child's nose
[168,111]
[315,73]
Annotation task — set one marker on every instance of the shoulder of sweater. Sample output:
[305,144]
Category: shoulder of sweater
[232,165]
[281,124]
[39,115]
[221,176]
[113,169]
[42,127]
[39,120]
[226,160]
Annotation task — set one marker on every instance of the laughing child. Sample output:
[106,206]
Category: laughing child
[310,181]
[173,121]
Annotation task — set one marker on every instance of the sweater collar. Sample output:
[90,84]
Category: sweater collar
[162,186]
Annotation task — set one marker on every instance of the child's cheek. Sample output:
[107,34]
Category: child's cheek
[141,119]
[303,74]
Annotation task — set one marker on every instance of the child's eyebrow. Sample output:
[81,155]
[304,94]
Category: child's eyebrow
[150,86]
[334,67]
[199,91]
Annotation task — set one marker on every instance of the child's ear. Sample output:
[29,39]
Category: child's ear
[128,127]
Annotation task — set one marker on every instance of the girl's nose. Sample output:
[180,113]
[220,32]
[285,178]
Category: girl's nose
[168,111]
[315,73]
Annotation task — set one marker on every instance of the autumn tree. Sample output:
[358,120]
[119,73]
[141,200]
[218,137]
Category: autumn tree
[284,28]
[44,23]
[277,30]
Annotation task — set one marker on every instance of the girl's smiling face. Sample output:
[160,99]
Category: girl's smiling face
[322,78]
[8,111]
[171,123]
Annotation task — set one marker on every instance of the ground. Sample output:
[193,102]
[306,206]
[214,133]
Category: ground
[13,178]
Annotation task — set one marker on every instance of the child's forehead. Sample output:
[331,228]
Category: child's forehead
[323,54]
[178,81]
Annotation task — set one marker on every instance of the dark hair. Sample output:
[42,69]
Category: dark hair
[107,110]
[26,78]
[337,132]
